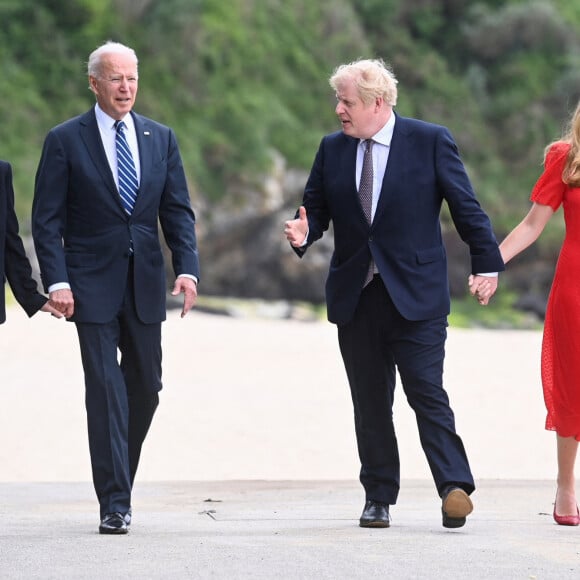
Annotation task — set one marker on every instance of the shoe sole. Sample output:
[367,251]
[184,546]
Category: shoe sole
[113,532]
[456,507]
[374,524]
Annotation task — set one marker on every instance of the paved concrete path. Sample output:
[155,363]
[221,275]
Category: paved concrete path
[256,416]
[287,529]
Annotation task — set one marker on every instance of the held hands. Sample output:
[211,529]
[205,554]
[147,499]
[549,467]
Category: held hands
[48,307]
[296,230]
[188,287]
[482,287]
[62,302]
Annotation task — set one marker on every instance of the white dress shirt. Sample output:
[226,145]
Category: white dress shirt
[381,150]
[108,133]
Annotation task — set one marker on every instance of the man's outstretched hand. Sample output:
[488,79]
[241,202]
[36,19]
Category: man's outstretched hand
[296,230]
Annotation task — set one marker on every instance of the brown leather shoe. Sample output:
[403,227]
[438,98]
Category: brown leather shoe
[375,515]
[456,507]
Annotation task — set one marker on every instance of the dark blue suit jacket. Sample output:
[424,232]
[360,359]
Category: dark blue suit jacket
[423,170]
[14,265]
[83,236]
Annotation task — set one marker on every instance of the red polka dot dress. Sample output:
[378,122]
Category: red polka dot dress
[561,340]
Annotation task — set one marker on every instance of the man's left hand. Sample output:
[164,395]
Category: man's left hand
[483,287]
[189,289]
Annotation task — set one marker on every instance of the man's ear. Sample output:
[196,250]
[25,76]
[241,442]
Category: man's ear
[93,84]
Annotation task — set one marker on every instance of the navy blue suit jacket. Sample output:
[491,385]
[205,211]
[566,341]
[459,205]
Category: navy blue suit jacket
[14,265]
[83,236]
[424,169]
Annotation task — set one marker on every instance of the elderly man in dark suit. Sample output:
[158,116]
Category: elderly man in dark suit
[105,180]
[382,181]
[14,265]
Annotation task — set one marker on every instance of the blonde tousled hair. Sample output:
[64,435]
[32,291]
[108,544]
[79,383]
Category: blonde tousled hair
[372,77]
[571,171]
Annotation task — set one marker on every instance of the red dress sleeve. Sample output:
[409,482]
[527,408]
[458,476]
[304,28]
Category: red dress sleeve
[550,189]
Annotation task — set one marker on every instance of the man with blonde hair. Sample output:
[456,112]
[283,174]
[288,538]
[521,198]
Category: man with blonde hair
[382,181]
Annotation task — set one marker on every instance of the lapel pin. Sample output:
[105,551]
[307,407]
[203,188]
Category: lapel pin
[146,133]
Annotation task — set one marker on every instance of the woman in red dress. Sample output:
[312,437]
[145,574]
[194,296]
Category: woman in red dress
[558,185]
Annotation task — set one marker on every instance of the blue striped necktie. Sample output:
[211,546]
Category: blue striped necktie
[126,172]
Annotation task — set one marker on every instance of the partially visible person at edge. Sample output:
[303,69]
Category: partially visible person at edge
[14,265]
[558,185]
[398,320]
[101,261]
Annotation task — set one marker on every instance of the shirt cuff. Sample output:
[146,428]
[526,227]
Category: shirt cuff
[190,276]
[59,286]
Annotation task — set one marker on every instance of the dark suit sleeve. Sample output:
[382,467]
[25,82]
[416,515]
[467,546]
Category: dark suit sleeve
[471,222]
[176,215]
[314,201]
[17,267]
[49,210]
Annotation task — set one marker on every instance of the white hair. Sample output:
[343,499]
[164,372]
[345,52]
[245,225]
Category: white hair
[110,47]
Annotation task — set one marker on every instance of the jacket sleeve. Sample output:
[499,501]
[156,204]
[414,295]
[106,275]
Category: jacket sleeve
[176,215]
[17,266]
[471,222]
[314,201]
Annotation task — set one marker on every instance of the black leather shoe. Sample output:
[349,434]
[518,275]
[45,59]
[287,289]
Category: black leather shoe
[375,515]
[113,524]
[456,507]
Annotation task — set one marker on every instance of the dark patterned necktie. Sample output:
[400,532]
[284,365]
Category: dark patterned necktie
[365,192]
[365,188]
[127,174]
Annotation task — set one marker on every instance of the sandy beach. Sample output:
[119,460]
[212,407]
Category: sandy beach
[257,398]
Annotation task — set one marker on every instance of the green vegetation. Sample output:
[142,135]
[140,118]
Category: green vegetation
[241,79]
[238,79]
[465,313]
[500,314]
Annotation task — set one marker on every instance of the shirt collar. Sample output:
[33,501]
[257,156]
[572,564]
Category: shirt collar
[107,122]
[385,134]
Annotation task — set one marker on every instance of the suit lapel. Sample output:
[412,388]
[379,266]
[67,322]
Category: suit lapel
[145,142]
[92,140]
[347,163]
[398,154]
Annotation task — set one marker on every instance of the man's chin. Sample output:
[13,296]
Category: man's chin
[349,130]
